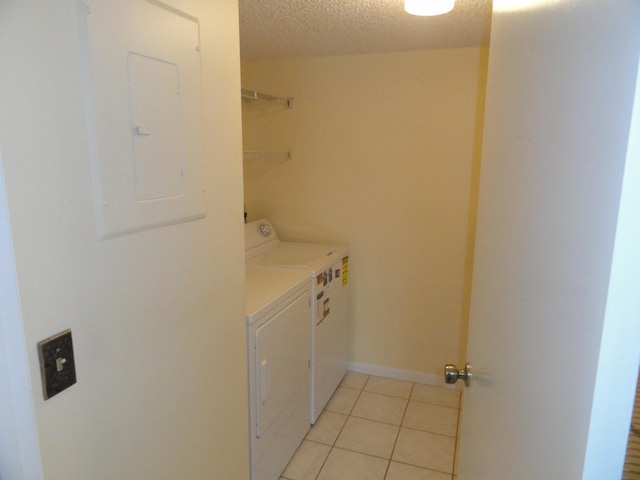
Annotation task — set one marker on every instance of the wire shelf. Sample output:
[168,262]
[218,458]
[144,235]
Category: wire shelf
[255,96]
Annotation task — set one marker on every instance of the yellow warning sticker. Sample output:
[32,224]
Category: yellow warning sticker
[345,270]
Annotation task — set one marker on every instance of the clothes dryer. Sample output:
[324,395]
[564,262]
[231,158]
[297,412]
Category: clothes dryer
[279,353]
[327,268]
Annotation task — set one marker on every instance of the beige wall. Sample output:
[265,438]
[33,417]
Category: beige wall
[386,153]
[157,316]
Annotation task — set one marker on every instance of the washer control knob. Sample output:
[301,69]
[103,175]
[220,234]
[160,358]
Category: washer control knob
[264,229]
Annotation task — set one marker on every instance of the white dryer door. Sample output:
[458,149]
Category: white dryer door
[283,350]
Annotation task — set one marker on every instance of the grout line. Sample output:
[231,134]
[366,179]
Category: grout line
[429,432]
[421,468]
[333,444]
[364,453]
[393,450]
[457,444]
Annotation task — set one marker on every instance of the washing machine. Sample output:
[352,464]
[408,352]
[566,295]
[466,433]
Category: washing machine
[327,269]
[279,355]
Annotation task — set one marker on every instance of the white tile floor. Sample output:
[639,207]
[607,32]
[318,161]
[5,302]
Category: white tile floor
[377,428]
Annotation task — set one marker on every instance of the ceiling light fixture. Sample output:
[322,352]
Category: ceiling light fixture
[425,8]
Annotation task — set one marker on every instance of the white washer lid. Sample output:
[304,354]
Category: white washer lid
[265,287]
[308,256]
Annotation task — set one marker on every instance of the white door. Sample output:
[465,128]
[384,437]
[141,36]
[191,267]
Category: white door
[553,350]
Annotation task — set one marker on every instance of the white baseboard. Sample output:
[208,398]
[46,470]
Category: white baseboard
[400,374]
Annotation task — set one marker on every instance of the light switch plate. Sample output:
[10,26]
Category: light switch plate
[57,366]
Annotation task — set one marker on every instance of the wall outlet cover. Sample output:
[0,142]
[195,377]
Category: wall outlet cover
[57,366]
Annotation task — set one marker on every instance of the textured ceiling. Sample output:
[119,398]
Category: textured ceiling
[272,29]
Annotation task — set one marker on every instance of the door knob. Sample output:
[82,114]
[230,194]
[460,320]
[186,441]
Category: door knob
[452,374]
